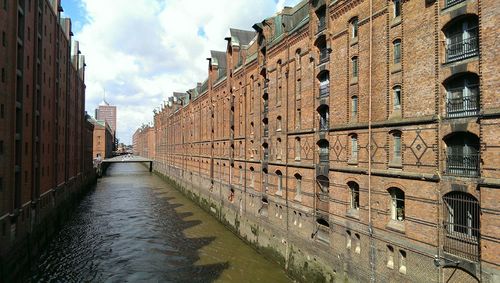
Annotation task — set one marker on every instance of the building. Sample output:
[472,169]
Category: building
[106,112]
[102,139]
[144,140]
[358,139]
[45,141]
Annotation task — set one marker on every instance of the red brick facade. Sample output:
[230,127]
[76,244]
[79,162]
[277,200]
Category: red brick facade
[363,133]
[45,140]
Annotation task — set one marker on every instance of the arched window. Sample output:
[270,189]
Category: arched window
[298,149]
[462,154]
[323,50]
[241,175]
[252,177]
[265,181]
[354,67]
[354,28]
[461,224]
[298,185]
[279,149]
[397,204]
[265,150]
[397,8]
[279,177]
[324,83]
[323,111]
[462,39]
[265,124]
[396,45]
[396,148]
[252,128]
[278,123]
[462,95]
[354,193]
[324,148]
[297,59]
[265,101]
[396,97]
[354,108]
[321,14]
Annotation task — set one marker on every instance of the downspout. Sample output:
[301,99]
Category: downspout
[438,191]
[287,70]
[370,224]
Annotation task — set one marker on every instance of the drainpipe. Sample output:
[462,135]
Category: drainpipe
[370,224]
[438,191]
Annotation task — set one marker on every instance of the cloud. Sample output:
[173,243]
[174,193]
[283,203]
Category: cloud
[140,51]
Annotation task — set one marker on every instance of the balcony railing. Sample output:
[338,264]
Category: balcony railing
[323,124]
[460,48]
[449,3]
[463,165]
[323,156]
[324,91]
[459,105]
[323,55]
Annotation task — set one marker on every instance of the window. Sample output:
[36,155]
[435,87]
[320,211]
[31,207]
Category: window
[402,261]
[265,180]
[323,50]
[298,119]
[278,123]
[3,75]
[461,224]
[354,192]
[397,51]
[279,149]
[324,84]
[354,148]
[298,89]
[321,14]
[397,204]
[298,185]
[390,257]
[1,147]
[241,175]
[4,39]
[324,183]
[252,128]
[462,39]
[2,111]
[1,184]
[348,238]
[354,62]
[324,148]
[396,148]
[462,96]
[396,93]
[297,149]
[449,3]
[354,108]
[265,150]
[354,28]
[297,59]
[397,8]
[462,154]
[252,177]
[279,176]
[323,111]
[358,244]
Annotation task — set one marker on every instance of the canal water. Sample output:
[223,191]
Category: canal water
[135,228]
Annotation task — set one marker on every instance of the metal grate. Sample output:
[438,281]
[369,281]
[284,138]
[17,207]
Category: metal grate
[463,164]
[450,3]
[461,103]
[461,225]
[460,47]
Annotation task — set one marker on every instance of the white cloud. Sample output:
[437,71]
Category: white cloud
[141,51]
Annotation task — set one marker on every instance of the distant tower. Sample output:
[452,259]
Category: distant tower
[107,113]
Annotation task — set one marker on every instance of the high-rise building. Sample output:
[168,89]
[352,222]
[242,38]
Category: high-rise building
[106,112]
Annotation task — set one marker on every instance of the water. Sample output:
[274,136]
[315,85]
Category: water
[134,227]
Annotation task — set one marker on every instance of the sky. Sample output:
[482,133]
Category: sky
[138,52]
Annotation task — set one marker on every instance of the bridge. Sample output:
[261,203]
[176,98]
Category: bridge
[127,159]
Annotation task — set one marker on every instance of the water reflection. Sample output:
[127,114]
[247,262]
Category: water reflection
[133,227]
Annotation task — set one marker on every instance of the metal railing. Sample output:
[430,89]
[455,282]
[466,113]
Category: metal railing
[459,105]
[450,3]
[324,91]
[463,165]
[460,48]
[323,123]
[323,55]
[323,155]
[461,225]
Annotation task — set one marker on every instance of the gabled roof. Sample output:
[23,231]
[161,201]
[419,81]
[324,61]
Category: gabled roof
[218,58]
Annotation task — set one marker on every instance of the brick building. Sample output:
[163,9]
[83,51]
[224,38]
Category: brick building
[144,142]
[103,140]
[356,138]
[45,140]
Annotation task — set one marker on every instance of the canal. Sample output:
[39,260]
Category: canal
[134,227]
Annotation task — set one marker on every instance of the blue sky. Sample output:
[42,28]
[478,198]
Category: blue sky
[141,51]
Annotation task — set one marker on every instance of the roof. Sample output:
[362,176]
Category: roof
[218,58]
[241,37]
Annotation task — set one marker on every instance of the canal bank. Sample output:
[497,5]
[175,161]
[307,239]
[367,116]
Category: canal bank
[37,222]
[135,227]
[248,218]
